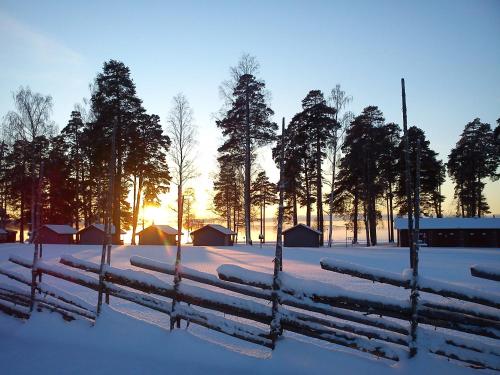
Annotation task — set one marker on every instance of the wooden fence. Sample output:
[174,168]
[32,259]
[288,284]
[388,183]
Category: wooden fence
[370,323]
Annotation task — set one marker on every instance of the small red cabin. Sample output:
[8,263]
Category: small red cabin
[213,235]
[94,235]
[7,235]
[158,235]
[56,234]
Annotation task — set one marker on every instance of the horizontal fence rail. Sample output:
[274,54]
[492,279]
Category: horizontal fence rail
[485,272]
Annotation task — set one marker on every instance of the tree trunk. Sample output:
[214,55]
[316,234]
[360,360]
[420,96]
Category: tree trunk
[391,210]
[295,209]
[33,199]
[373,219]
[319,192]
[264,222]
[479,200]
[388,218]
[355,217]
[228,209]
[21,219]
[330,214]
[137,204]
[365,220]
[247,202]
[308,195]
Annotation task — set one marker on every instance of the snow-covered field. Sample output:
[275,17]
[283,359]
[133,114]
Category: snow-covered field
[119,343]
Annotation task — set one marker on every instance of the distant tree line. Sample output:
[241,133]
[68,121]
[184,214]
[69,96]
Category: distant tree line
[365,176]
[336,163]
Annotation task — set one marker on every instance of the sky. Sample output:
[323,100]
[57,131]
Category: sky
[447,51]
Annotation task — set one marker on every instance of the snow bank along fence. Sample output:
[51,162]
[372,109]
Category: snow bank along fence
[371,323]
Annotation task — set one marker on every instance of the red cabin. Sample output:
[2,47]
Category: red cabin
[7,235]
[158,235]
[94,235]
[56,234]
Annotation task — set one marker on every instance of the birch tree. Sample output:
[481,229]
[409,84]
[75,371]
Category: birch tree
[181,131]
[30,120]
[339,100]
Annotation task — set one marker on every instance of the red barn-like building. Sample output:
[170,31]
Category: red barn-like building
[94,235]
[7,235]
[453,231]
[158,235]
[213,235]
[301,235]
[56,234]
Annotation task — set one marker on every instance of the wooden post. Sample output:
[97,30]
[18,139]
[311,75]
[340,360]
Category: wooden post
[407,173]
[177,273]
[414,281]
[35,229]
[106,245]
[278,258]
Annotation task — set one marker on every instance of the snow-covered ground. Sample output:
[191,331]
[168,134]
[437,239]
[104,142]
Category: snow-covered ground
[120,344]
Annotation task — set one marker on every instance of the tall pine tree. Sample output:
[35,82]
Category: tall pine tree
[474,159]
[247,126]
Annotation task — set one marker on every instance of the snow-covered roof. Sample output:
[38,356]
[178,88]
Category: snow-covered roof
[101,228]
[167,229]
[217,227]
[5,231]
[61,229]
[451,223]
[302,225]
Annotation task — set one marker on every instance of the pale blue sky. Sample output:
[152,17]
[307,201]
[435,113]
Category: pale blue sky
[448,51]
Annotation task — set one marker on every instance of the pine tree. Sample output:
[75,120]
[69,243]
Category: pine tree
[247,126]
[320,126]
[59,186]
[72,138]
[228,188]
[471,161]
[146,163]
[388,170]
[263,195]
[358,172]
[114,100]
[432,175]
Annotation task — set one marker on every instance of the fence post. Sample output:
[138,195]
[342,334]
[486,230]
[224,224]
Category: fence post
[106,244]
[35,227]
[177,271]
[276,328]
[414,281]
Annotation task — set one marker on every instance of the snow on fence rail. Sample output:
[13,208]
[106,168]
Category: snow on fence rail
[453,316]
[485,272]
[403,280]
[339,308]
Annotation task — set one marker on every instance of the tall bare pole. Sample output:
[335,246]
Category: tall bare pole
[177,271]
[35,228]
[106,245]
[278,257]
[407,174]
[414,281]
